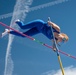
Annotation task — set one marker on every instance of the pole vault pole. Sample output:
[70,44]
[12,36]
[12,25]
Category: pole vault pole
[57,50]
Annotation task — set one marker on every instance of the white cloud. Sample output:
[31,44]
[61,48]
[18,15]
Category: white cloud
[68,71]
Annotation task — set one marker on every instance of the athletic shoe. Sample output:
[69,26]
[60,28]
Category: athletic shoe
[5,32]
[17,21]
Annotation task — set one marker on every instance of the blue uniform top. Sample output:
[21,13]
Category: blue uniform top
[46,30]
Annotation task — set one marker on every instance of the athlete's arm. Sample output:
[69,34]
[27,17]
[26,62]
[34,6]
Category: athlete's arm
[53,44]
[54,26]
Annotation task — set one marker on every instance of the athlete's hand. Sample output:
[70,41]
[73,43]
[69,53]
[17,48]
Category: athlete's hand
[49,23]
[54,49]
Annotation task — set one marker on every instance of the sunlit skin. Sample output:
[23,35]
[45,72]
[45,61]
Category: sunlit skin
[57,35]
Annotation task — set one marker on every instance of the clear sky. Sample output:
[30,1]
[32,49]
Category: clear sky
[31,58]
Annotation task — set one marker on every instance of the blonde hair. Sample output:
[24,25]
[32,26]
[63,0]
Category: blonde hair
[65,36]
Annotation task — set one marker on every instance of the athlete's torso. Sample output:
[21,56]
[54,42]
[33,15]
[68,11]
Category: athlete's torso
[46,30]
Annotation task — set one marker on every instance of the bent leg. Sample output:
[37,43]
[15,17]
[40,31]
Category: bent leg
[31,24]
[31,32]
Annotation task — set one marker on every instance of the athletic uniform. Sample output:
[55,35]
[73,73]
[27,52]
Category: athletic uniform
[35,27]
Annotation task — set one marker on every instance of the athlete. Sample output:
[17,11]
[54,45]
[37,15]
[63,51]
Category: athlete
[39,26]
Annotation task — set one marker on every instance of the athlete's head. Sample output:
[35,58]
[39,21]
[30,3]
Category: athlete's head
[65,38]
[62,38]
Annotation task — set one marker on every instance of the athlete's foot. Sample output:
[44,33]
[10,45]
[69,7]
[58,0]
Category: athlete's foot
[17,21]
[5,32]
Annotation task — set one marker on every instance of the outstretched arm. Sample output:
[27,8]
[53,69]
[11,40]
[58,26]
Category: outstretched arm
[53,45]
[54,26]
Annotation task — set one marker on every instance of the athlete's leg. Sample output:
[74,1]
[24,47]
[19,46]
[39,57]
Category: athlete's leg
[31,32]
[31,24]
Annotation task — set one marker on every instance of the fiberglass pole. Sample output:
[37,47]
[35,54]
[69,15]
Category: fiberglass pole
[57,50]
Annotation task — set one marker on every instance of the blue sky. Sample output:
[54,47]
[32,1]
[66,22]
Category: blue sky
[31,58]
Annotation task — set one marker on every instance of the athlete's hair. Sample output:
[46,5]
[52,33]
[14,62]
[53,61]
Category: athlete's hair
[65,36]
